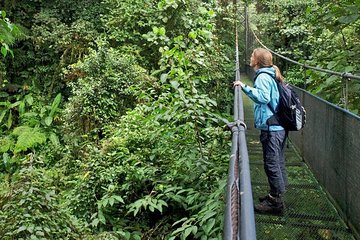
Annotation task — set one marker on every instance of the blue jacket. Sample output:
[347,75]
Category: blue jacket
[264,91]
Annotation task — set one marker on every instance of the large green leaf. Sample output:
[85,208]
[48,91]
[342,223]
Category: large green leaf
[48,120]
[2,115]
[349,19]
[55,105]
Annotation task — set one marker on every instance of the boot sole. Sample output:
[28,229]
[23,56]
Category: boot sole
[277,212]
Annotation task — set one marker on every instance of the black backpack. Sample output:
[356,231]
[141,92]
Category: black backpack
[290,113]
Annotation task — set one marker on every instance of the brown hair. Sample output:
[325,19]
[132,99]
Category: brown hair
[264,59]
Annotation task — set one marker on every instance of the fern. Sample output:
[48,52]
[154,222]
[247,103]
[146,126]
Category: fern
[27,138]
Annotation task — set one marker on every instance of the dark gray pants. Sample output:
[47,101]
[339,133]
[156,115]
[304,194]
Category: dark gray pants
[273,144]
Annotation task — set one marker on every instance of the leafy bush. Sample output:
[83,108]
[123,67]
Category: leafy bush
[102,92]
[140,157]
[31,126]
[8,33]
[29,208]
[140,180]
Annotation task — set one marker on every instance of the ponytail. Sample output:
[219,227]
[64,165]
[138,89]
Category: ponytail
[278,75]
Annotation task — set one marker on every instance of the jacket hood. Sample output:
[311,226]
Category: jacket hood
[269,70]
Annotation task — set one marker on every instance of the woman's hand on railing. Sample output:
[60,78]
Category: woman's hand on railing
[237,83]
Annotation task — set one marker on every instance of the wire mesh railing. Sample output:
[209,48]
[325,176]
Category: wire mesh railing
[330,145]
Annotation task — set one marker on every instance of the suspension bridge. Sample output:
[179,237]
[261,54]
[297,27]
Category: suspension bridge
[322,160]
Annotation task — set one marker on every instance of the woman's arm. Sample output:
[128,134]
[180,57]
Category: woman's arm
[260,93]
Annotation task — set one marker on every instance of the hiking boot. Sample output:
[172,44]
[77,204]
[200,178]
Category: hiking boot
[271,205]
[263,198]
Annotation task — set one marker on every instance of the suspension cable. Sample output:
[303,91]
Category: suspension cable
[343,75]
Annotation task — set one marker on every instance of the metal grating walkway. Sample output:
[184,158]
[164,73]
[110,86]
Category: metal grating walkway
[309,213]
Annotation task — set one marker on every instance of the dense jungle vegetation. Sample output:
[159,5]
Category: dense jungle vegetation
[323,34]
[111,112]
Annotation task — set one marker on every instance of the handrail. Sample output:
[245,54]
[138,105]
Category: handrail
[239,214]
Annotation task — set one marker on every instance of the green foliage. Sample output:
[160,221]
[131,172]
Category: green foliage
[207,222]
[30,209]
[143,176]
[151,157]
[339,54]
[27,138]
[127,21]
[87,10]
[102,93]
[8,33]
[6,116]
[325,35]
[28,111]
[139,154]
[282,25]
[60,45]
[32,127]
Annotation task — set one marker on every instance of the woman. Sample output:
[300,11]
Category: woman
[272,137]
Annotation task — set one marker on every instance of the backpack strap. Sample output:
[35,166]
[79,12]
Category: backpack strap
[271,108]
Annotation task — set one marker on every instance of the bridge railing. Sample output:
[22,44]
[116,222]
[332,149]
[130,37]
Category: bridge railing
[329,143]
[239,213]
